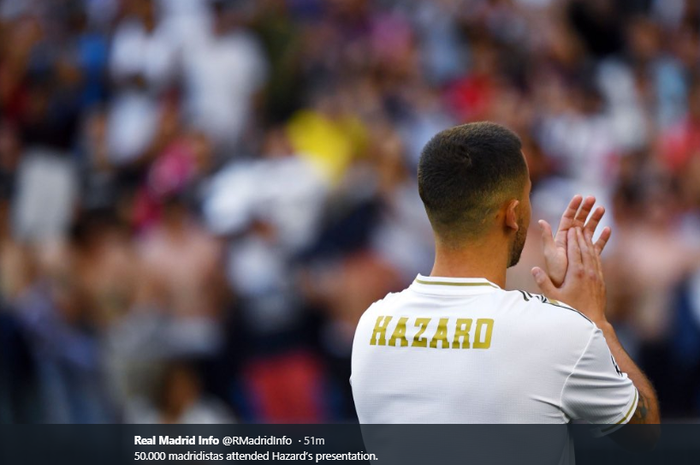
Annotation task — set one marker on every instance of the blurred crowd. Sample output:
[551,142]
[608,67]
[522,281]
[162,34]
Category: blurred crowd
[199,198]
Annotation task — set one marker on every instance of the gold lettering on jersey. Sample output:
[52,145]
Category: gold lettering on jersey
[464,333]
[440,335]
[419,341]
[379,333]
[462,328]
[482,339]
[399,333]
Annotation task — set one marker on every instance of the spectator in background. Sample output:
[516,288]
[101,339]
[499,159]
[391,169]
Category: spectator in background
[18,383]
[143,65]
[222,75]
[271,210]
[329,133]
[57,319]
[182,278]
[142,49]
[43,102]
[179,399]
[281,36]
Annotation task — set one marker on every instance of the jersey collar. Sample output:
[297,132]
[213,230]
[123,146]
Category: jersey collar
[452,286]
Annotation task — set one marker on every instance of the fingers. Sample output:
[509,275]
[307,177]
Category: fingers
[570,212]
[582,214]
[573,251]
[547,239]
[587,257]
[567,220]
[593,253]
[595,218]
[543,282]
[602,240]
[576,215]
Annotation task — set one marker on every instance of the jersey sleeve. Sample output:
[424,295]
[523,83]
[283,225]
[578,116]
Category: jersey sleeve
[597,390]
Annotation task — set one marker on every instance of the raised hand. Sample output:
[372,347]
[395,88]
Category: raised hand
[583,286]
[575,216]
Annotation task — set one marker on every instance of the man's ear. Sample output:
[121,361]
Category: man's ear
[511,217]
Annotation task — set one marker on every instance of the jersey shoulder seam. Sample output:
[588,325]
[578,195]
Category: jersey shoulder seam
[539,298]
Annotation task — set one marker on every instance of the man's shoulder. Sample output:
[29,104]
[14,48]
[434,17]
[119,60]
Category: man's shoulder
[551,307]
[388,301]
[391,304]
[551,317]
[549,325]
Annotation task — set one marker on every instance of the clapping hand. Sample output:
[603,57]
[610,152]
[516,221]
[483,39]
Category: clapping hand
[575,216]
[583,287]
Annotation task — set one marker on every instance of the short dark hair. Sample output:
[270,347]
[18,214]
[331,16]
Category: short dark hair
[465,173]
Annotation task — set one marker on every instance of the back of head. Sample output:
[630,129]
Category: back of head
[465,175]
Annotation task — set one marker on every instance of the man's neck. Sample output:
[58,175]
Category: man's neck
[480,260]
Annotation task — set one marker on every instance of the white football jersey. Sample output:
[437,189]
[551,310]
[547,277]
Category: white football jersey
[456,350]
